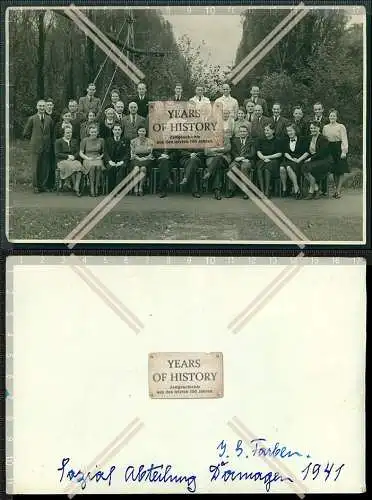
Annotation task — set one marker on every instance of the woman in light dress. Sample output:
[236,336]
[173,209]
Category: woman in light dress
[92,150]
[142,158]
[336,134]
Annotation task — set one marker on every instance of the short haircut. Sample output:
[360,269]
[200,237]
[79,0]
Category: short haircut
[68,125]
[132,102]
[178,84]
[113,91]
[49,100]
[317,104]
[243,126]
[333,110]
[255,87]
[297,107]
[72,100]
[277,104]
[109,109]
[119,102]
[66,110]
[292,125]
[117,124]
[141,126]
[315,124]
[270,126]
[242,110]
[141,83]
[92,84]
[93,125]
[40,100]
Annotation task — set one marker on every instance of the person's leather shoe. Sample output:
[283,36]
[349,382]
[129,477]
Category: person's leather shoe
[217,194]
[196,195]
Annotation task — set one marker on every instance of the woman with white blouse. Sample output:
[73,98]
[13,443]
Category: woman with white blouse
[336,134]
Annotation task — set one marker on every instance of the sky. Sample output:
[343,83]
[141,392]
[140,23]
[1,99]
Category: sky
[222,33]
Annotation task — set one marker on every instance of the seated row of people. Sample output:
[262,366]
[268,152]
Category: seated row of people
[270,157]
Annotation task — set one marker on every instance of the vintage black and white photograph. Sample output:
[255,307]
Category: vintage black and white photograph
[198,124]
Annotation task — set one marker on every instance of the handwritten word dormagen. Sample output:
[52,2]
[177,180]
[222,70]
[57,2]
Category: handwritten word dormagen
[81,477]
[231,475]
[258,448]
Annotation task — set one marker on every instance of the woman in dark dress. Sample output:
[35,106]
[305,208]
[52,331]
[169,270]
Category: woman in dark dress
[294,151]
[336,134]
[269,152]
[318,162]
[106,126]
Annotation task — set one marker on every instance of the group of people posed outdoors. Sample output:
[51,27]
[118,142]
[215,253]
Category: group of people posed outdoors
[101,143]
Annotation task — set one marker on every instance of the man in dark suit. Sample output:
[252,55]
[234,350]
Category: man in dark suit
[142,100]
[279,122]
[49,111]
[178,93]
[191,161]
[132,122]
[259,123]
[249,108]
[243,151]
[319,115]
[318,163]
[119,112]
[117,156]
[89,102]
[256,99]
[39,129]
[298,120]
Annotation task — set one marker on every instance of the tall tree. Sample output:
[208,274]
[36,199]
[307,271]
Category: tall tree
[41,55]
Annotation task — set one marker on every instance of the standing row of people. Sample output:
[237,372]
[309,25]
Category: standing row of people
[44,129]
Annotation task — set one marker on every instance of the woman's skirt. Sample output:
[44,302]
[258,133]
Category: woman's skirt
[144,163]
[339,165]
[317,168]
[88,164]
[296,167]
[68,167]
[273,166]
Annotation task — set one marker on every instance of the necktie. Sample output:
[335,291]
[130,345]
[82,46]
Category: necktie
[199,99]
[250,117]
[132,120]
[242,145]
[293,140]
[42,120]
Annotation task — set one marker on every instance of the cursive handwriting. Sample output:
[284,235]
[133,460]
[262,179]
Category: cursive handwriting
[259,448]
[81,477]
[155,473]
[231,475]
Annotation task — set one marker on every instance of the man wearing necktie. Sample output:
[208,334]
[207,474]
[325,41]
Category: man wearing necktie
[279,123]
[250,110]
[117,156]
[39,129]
[256,99]
[318,115]
[89,102]
[132,122]
[142,100]
[243,151]
[178,92]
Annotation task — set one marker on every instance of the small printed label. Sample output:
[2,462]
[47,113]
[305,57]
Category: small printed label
[185,375]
